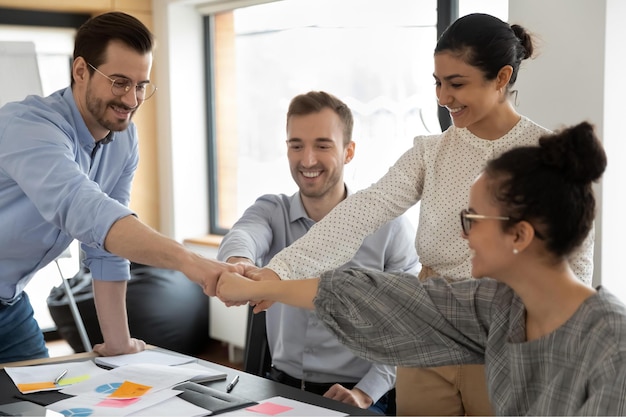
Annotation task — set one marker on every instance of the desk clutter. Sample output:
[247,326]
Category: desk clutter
[149,383]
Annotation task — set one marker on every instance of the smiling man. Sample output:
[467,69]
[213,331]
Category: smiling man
[66,166]
[304,353]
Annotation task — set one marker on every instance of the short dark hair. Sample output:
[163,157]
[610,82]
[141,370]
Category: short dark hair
[550,185]
[487,43]
[316,101]
[93,36]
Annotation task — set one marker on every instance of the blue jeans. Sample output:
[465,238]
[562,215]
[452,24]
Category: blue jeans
[386,405]
[20,335]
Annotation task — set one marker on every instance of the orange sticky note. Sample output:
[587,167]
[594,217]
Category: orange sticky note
[130,389]
[35,386]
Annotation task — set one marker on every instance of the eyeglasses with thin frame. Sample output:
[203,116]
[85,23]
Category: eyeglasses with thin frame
[121,86]
[468,217]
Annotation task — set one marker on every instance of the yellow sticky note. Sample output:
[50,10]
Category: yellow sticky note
[35,386]
[130,389]
[73,380]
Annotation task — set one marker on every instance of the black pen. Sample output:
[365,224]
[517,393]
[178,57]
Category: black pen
[232,384]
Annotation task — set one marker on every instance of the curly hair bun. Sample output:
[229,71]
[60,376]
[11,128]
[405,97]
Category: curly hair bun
[576,152]
[525,40]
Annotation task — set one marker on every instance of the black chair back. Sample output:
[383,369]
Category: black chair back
[257,358]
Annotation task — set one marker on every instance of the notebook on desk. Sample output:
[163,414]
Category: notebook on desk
[211,399]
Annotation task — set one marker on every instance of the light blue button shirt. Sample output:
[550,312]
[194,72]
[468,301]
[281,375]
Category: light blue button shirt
[299,342]
[56,186]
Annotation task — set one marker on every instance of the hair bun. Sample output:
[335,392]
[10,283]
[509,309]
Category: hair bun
[525,40]
[576,152]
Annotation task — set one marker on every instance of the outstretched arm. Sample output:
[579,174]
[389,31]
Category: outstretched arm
[233,288]
[133,240]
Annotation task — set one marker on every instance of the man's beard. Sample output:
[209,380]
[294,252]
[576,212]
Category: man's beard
[98,108]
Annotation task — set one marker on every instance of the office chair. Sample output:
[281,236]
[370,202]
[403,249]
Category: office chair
[257,358]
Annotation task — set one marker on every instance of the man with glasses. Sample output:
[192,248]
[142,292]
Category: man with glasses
[66,166]
[120,86]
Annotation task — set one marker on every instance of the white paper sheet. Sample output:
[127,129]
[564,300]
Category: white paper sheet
[202,373]
[172,407]
[158,377]
[146,356]
[89,405]
[35,374]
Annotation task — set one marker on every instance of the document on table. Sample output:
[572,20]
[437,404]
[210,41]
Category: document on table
[145,389]
[146,356]
[203,373]
[283,407]
[154,377]
[36,378]
[95,405]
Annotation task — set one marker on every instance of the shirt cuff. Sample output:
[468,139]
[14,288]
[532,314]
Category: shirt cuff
[109,268]
[280,268]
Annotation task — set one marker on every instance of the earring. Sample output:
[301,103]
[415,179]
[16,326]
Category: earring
[515,251]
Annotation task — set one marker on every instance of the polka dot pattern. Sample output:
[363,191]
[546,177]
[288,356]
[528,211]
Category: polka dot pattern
[438,170]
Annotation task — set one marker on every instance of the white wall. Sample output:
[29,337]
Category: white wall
[179,59]
[564,84]
[577,76]
[614,197]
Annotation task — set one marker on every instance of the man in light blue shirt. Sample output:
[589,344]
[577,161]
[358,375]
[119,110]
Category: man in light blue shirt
[304,353]
[66,166]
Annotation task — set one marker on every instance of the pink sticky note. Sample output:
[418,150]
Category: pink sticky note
[118,403]
[268,408]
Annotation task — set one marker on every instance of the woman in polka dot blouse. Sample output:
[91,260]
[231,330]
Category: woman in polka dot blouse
[476,63]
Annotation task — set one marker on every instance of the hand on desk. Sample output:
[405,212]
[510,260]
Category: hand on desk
[354,396]
[134,346]
[109,299]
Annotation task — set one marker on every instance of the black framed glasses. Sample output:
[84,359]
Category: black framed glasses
[467,217]
[121,86]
